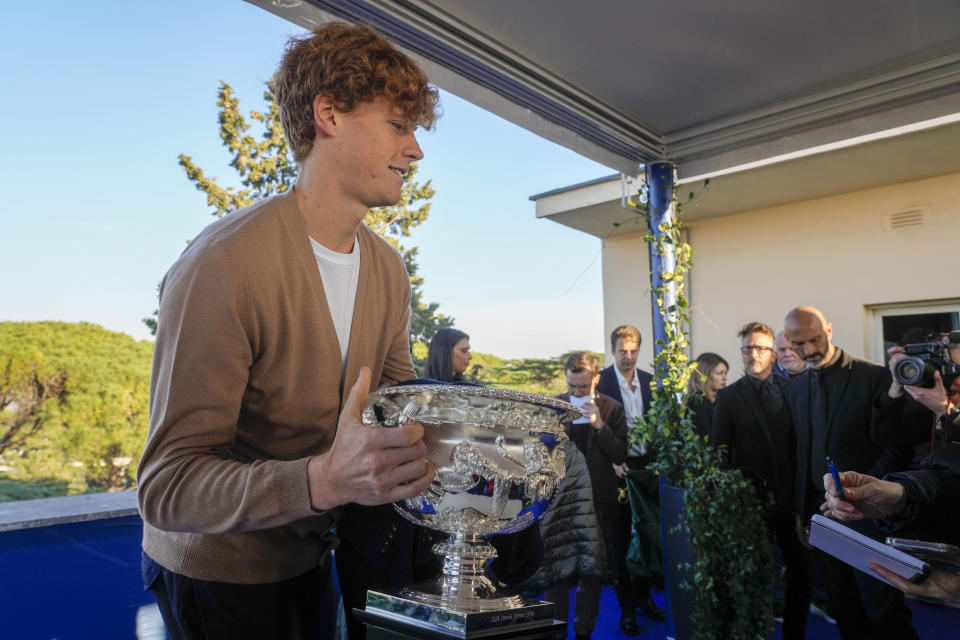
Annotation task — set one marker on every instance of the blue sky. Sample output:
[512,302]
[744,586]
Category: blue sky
[98,100]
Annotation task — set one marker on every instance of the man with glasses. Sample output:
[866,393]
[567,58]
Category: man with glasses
[753,420]
[841,409]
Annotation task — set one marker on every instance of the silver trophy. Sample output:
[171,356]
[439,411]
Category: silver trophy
[499,459]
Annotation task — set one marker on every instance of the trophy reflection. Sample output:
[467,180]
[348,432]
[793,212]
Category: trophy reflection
[499,459]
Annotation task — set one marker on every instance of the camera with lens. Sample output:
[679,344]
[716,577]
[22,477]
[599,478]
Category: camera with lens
[921,360]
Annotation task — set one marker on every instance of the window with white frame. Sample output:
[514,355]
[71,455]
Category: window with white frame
[910,323]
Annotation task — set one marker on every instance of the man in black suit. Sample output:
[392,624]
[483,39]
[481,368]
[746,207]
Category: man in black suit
[752,419]
[602,437]
[841,409]
[624,381]
[630,386]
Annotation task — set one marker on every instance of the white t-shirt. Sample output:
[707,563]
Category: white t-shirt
[632,405]
[340,273]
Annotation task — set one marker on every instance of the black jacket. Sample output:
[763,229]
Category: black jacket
[863,425]
[606,447]
[935,493]
[574,546]
[739,423]
[701,413]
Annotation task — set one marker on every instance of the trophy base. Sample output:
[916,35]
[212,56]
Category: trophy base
[439,617]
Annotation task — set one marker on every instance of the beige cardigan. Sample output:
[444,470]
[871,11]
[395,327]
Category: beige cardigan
[246,385]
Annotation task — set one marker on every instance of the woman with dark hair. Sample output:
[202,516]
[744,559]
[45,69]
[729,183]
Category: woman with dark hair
[709,377]
[449,355]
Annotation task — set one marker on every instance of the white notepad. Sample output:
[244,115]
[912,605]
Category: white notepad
[858,551]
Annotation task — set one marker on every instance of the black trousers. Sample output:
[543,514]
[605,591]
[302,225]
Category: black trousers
[301,608]
[796,562]
[616,536]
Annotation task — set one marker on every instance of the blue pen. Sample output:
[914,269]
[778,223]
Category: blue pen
[836,478]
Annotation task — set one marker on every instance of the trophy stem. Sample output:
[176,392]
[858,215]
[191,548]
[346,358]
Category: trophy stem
[464,584]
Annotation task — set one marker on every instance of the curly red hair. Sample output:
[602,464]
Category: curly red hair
[352,64]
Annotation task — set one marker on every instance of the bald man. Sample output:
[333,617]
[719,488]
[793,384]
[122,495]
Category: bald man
[841,409]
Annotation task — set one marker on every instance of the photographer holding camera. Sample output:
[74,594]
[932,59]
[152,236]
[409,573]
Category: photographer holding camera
[920,370]
[921,502]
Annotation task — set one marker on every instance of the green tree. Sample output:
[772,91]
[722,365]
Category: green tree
[265,167]
[533,375]
[29,389]
[73,404]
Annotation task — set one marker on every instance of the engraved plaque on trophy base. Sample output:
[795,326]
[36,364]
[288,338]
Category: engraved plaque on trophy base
[390,617]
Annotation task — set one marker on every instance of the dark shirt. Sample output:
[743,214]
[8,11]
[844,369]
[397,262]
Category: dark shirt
[843,410]
[821,403]
[771,399]
[766,453]
[701,412]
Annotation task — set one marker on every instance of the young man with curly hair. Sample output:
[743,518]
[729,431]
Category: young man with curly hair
[274,324]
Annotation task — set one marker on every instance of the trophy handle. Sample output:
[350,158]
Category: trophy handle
[432,494]
[413,408]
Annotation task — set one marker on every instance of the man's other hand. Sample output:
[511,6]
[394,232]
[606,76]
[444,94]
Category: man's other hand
[940,585]
[866,497]
[934,398]
[368,465]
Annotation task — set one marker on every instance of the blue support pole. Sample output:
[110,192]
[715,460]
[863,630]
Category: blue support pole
[660,187]
[675,548]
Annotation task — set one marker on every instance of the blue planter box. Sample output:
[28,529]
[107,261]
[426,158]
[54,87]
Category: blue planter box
[676,551]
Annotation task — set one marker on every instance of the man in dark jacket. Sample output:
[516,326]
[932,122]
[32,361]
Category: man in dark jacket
[602,437]
[624,381]
[752,419]
[630,386]
[841,409]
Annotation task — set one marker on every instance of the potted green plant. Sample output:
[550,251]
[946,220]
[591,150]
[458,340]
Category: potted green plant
[728,570]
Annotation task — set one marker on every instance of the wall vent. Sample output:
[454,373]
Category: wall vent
[906,219]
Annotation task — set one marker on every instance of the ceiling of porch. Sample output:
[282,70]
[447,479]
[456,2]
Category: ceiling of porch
[775,100]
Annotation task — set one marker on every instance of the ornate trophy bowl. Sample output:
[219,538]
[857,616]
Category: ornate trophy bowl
[499,458]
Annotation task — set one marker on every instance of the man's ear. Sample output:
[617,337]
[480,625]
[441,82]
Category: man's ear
[326,118]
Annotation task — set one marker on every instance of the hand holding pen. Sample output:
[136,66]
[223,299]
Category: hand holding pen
[863,497]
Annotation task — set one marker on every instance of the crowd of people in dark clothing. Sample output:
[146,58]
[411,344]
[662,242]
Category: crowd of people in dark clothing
[801,400]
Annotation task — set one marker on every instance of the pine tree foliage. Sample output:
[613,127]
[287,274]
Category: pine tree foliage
[265,167]
[73,407]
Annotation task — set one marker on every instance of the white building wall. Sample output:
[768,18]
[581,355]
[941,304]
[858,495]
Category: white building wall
[626,292]
[832,253]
